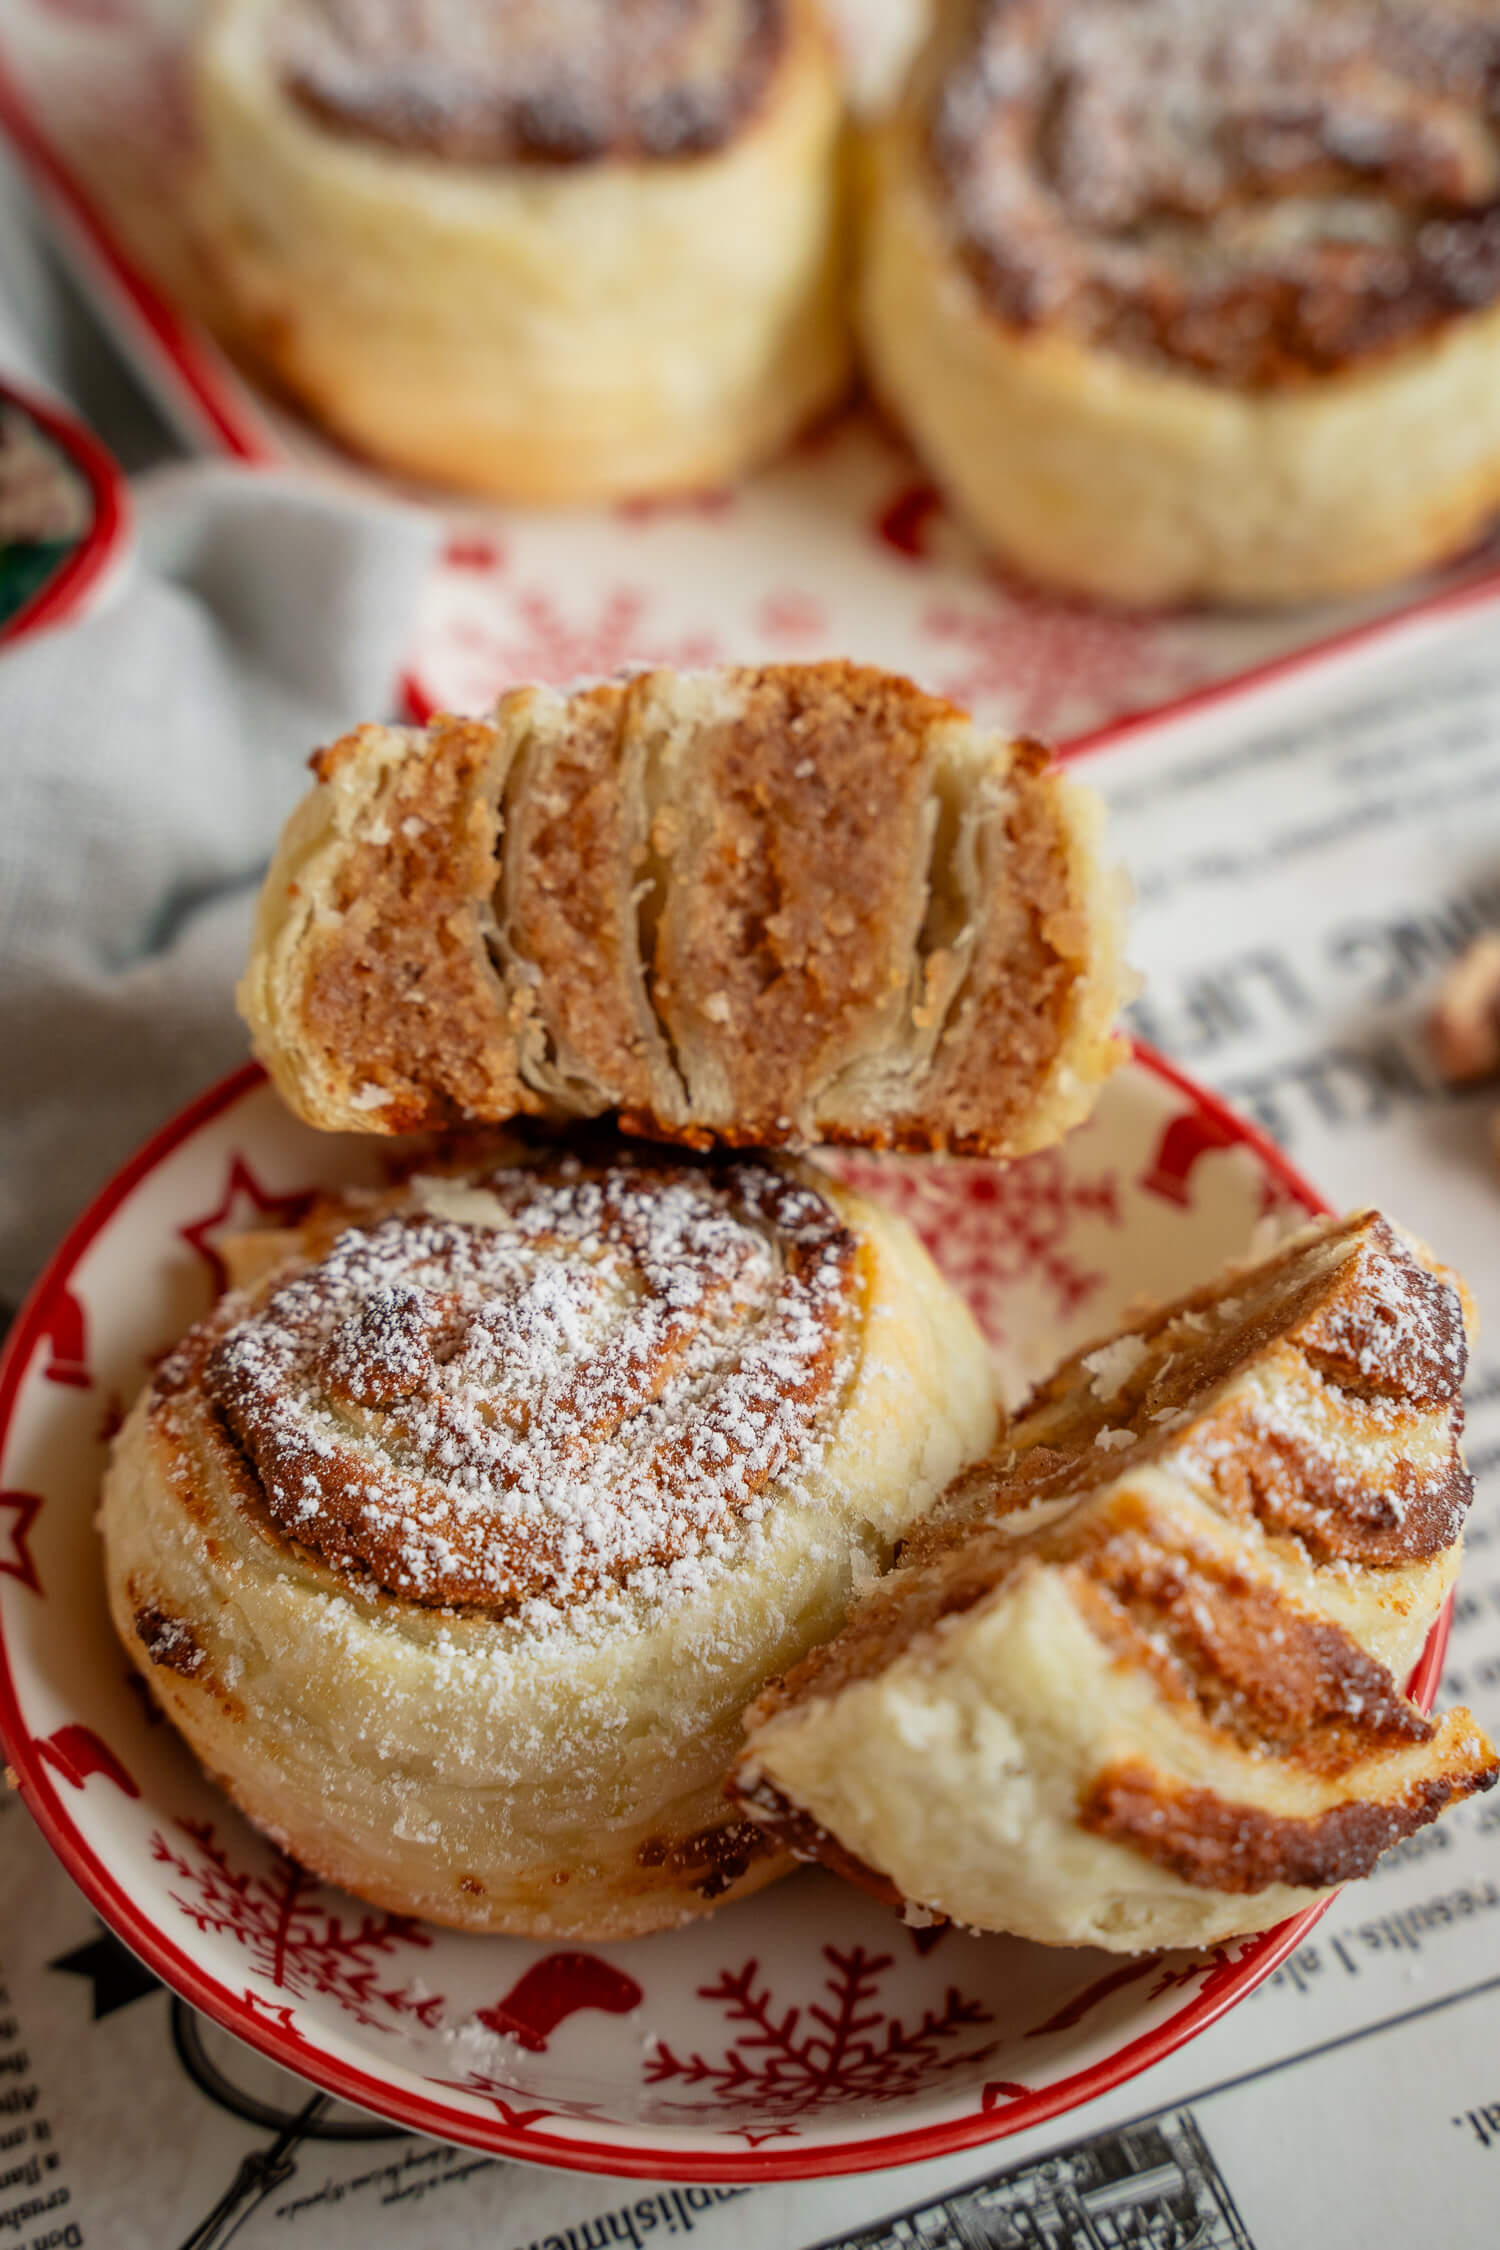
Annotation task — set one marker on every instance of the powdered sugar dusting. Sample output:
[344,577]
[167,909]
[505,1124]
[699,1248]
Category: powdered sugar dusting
[1113,1364]
[550,81]
[1399,1329]
[567,1381]
[1358,1457]
[1254,191]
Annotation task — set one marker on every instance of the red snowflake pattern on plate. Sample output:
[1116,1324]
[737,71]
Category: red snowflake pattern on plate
[1029,1209]
[789,2063]
[1051,665]
[789,615]
[524,634]
[1210,1972]
[295,1938]
[870,2059]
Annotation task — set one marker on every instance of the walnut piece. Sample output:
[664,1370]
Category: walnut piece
[1464,1026]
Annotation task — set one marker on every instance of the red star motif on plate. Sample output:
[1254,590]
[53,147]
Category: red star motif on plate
[23,1509]
[271,2011]
[242,1204]
[999,2090]
[495,2090]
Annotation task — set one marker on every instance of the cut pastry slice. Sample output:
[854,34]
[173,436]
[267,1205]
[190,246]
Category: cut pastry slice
[755,905]
[1136,1680]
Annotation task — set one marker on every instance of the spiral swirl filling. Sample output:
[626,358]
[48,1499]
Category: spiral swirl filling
[1256,193]
[546,1383]
[532,81]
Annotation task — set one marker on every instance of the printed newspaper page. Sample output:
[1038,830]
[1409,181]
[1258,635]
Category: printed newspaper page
[1307,855]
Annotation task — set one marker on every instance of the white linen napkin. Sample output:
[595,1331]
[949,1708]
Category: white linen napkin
[147,758]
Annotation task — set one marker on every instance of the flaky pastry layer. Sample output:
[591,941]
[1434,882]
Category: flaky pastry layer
[1136,1681]
[758,905]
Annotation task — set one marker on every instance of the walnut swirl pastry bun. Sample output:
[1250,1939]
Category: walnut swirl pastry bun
[1138,1679]
[458,1537]
[546,252]
[1185,298]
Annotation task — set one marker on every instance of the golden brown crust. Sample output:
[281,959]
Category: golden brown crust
[1010,1020]
[712,1861]
[1240,1849]
[529,81]
[1282,1682]
[1371,1308]
[1255,198]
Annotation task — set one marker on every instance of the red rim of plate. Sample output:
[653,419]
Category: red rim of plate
[68,591]
[229,424]
[425,2114]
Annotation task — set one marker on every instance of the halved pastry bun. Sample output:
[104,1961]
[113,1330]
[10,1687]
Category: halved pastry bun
[1136,1682]
[796,902]
[1106,464]
[458,1537]
[537,323]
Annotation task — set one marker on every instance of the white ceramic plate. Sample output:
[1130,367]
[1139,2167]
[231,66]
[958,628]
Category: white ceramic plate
[804,2031]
